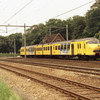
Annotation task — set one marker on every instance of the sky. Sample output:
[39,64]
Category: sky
[32,12]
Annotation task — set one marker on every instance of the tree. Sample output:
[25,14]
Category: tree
[79,26]
[92,20]
[18,41]
[97,35]
[4,45]
[35,34]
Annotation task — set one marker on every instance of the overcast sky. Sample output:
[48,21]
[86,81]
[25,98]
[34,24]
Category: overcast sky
[31,12]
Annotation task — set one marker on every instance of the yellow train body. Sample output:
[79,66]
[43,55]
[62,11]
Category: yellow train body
[79,47]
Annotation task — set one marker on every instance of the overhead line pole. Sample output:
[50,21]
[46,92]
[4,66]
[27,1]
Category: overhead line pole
[13,26]
[25,40]
[14,39]
[66,32]
[60,27]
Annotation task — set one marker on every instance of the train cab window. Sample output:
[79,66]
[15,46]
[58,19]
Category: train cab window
[92,42]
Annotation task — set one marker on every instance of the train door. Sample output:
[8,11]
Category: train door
[50,50]
[34,51]
[72,49]
[84,49]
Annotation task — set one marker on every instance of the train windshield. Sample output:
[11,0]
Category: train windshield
[93,42]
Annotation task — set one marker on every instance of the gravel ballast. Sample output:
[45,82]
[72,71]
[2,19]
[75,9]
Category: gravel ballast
[31,90]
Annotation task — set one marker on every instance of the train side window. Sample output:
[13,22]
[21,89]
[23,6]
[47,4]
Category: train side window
[55,47]
[64,46]
[48,48]
[80,46]
[68,46]
[32,49]
[61,46]
[84,46]
[58,47]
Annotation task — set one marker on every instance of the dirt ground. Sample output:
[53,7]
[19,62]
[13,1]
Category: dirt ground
[31,90]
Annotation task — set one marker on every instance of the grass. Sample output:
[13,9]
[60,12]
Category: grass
[6,93]
[8,54]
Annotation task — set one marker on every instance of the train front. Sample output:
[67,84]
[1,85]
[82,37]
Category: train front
[97,50]
[93,48]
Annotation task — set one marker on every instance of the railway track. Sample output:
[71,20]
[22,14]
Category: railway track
[95,64]
[93,71]
[77,90]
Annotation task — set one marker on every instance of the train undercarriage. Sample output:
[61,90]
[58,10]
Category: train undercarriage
[80,57]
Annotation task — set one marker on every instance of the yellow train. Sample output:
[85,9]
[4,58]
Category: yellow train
[86,48]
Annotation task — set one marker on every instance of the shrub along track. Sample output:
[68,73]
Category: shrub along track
[78,90]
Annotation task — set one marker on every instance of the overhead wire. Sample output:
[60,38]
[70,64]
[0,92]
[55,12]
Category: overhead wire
[53,17]
[74,9]
[36,11]
[18,12]
[70,10]
[5,7]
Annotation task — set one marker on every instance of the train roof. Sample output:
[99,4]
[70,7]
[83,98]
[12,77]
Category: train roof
[74,40]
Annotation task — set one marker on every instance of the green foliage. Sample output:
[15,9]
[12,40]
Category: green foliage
[92,20]
[18,42]
[4,45]
[97,35]
[6,93]
[78,27]
[8,55]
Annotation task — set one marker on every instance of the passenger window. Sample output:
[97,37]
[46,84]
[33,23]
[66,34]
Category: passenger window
[58,47]
[55,47]
[68,46]
[48,48]
[61,46]
[80,46]
[64,46]
[84,46]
